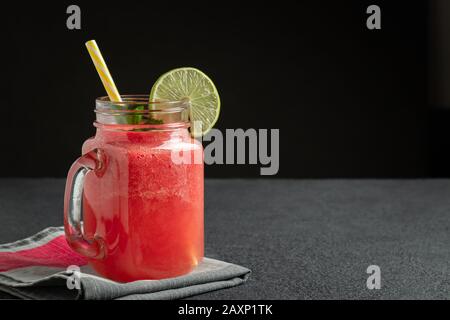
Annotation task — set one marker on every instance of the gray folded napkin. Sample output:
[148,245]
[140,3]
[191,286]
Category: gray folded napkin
[44,267]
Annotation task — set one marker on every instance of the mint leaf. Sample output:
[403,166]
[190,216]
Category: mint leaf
[152,120]
[136,118]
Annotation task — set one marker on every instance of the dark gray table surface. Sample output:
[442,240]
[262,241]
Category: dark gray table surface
[303,239]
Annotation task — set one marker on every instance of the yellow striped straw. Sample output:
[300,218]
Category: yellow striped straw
[103,71]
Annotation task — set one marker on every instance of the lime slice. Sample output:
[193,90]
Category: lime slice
[193,85]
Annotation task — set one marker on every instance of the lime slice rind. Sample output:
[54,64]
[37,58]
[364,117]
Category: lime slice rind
[198,88]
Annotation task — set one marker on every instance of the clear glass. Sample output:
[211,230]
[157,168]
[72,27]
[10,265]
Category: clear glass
[142,211]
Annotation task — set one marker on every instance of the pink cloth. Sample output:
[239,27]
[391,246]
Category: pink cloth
[47,248]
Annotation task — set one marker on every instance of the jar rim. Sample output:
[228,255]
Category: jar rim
[136,109]
[131,101]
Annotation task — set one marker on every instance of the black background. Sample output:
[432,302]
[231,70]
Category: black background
[349,102]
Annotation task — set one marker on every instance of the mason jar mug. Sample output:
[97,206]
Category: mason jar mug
[134,199]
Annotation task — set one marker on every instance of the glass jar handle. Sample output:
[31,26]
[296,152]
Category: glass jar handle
[73,205]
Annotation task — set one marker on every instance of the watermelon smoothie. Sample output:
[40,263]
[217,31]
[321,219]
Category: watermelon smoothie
[142,210]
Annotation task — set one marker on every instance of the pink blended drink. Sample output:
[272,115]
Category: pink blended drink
[143,211]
